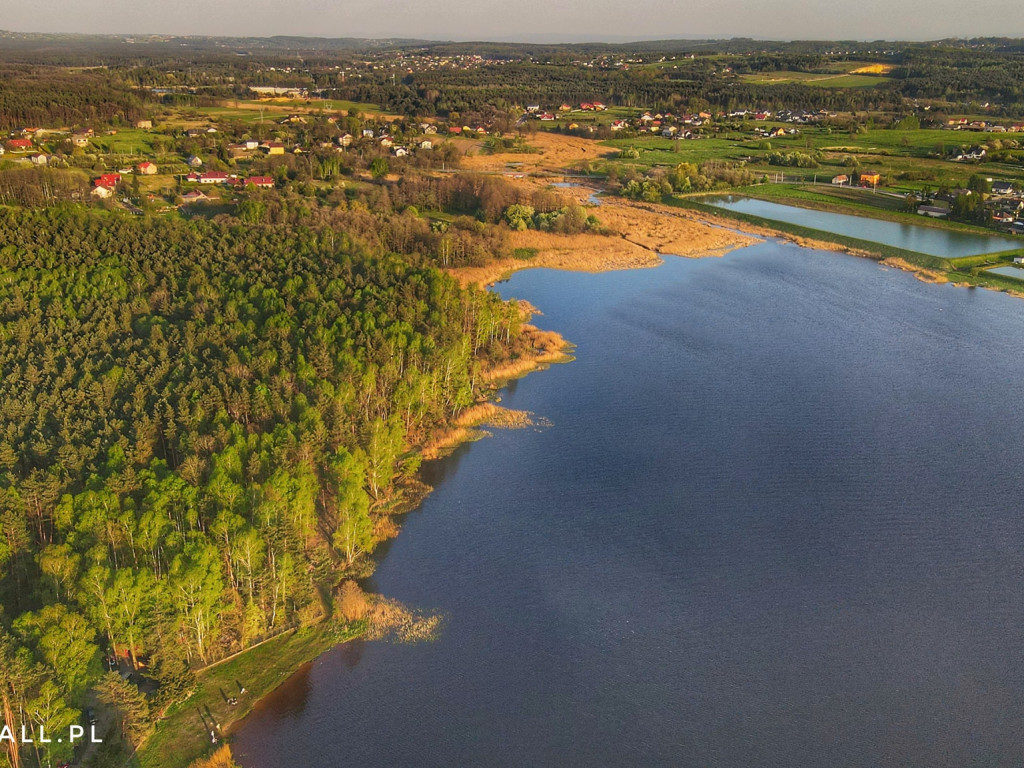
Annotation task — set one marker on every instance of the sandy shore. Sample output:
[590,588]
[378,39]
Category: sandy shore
[637,233]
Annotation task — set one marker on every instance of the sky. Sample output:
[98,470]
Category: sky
[525,20]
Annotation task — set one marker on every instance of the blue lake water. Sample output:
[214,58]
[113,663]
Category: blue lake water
[1014,272]
[775,521]
[912,237]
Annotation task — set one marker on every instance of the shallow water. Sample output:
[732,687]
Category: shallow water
[912,237]
[1014,272]
[775,521]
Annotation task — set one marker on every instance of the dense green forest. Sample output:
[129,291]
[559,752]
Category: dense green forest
[32,96]
[202,423]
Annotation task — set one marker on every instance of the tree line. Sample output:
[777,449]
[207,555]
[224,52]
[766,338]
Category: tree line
[202,426]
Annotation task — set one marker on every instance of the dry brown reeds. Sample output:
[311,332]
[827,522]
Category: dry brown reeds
[220,759]
[390,620]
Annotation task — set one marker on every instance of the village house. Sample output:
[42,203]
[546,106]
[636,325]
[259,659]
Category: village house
[147,168]
[79,140]
[19,145]
[110,180]
[974,153]
[938,209]
[273,147]
[195,196]
[263,182]
[870,179]
[194,162]
[145,124]
[345,140]
[426,144]
[841,179]
[101,192]
[39,159]
[1002,188]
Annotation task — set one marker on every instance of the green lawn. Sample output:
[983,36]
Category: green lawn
[182,735]
[127,141]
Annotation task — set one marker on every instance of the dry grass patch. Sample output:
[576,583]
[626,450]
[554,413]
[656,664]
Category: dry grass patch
[921,273]
[390,620]
[220,759]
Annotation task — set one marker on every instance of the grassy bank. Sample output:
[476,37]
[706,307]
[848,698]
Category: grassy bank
[866,247]
[855,202]
[965,270]
[184,733]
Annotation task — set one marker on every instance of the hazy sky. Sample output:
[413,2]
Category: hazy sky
[525,19]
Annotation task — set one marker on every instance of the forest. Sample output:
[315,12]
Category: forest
[204,425]
[39,85]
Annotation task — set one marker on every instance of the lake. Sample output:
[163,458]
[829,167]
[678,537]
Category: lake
[774,521]
[1015,272]
[912,237]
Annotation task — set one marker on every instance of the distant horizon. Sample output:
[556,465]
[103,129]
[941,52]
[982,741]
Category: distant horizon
[528,21]
[525,40]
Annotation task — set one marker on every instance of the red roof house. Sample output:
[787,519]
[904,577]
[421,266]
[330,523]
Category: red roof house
[260,181]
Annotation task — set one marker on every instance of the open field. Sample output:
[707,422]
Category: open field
[127,141]
[912,159]
[817,79]
[266,110]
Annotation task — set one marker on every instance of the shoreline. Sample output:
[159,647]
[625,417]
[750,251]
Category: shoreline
[641,234]
[266,666]
[923,272]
